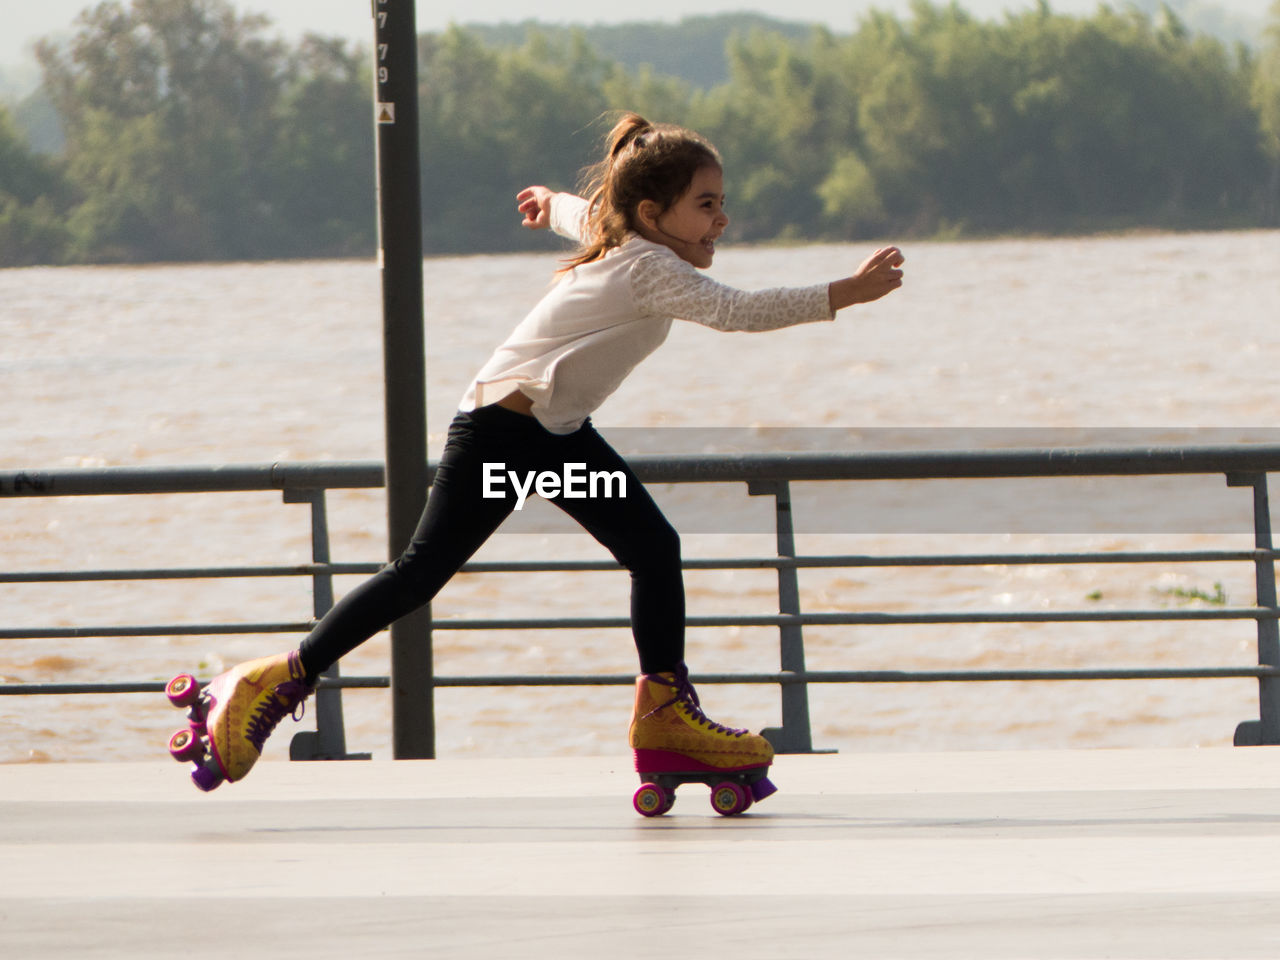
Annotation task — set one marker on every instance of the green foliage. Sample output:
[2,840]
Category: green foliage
[494,121]
[1218,598]
[938,121]
[693,51]
[1266,100]
[849,194]
[320,187]
[33,197]
[191,134]
[194,136]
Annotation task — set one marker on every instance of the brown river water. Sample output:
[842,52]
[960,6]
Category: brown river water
[1144,339]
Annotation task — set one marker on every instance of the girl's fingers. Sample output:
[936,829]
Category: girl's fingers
[527,200]
[534,203]
[882,259]
[530,206]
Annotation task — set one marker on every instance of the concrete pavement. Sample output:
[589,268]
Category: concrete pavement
[1141,854]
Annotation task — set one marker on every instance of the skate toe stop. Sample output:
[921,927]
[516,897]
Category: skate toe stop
[763,788]
[206,777]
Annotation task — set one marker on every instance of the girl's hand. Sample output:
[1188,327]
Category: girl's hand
[535,205]
[878,275]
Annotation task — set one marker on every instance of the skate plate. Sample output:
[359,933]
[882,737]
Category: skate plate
[732,791]
[191,743]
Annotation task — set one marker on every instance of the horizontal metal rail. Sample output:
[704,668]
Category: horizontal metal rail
[1243,465]
[585,566]
[604,623]
[618,623]
[720,468]
[780,679]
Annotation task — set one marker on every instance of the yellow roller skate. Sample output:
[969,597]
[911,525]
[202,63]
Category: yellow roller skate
[232,717]
[675,743]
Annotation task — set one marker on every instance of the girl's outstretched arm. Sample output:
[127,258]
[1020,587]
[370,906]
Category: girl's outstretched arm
[563,213]
[878,275]
[534,203]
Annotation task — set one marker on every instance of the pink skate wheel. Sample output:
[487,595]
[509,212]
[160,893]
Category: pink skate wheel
[185,746]
[728,798]
[207,776]
[183,690]
[651,800]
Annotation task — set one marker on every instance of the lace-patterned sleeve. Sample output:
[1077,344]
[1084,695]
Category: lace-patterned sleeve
[569,216]
[664,285]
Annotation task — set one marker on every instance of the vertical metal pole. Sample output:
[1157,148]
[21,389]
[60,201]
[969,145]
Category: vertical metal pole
[1267,730]
[794,736]
[1268,630]
[400,257]
[329,741]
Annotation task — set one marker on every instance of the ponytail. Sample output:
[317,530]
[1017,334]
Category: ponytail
[642,161]
[625,132]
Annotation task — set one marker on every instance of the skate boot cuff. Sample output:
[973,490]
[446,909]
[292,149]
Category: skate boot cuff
[683,692]
[289,697]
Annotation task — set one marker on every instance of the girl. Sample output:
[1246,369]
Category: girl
[653,213]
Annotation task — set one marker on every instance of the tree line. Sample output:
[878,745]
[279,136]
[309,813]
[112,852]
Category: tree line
[191,134]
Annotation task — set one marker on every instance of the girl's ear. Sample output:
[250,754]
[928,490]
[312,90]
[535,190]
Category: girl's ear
[648,212]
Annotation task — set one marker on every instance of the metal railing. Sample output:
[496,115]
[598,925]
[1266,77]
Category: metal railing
[765,475]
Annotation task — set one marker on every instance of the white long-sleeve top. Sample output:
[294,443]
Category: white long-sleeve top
[600,319]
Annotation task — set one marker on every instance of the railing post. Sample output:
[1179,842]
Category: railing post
[329,741]
[405,378]
[794,736]
[1267,729]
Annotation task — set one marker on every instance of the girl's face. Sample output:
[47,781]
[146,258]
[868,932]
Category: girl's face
[693,223]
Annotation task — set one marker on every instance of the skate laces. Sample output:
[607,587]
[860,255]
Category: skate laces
[687,697]
[288,697]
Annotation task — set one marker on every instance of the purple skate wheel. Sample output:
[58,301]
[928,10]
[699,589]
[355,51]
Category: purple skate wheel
[207,776]
[651,800]
[185,746]
[183,690]
[728,798]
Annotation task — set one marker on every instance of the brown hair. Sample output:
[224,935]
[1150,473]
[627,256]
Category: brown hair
[642,161]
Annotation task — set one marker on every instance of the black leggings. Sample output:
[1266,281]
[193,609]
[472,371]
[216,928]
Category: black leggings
[458,519]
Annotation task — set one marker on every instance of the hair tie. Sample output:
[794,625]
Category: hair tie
[635,136]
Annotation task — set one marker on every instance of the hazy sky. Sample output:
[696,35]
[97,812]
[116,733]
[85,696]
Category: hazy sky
[22,21]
